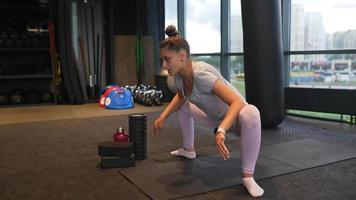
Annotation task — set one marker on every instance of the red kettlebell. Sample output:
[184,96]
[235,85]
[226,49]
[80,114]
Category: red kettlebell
[121,135]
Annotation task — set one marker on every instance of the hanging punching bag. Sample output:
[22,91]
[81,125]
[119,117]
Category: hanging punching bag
[263,58]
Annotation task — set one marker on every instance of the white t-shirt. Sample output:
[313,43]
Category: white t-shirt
[204,78]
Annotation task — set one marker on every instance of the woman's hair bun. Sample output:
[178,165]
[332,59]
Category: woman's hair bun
[171,31]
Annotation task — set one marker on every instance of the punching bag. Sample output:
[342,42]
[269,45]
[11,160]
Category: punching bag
[263,58]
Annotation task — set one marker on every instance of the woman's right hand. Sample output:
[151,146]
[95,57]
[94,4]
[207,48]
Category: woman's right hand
[220,145]
[157,125]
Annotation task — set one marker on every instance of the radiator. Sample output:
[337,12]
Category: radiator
[338,101]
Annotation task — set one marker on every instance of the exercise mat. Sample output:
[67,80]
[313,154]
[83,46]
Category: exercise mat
[182,177]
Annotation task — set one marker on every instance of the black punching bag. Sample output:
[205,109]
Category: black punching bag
[263,58]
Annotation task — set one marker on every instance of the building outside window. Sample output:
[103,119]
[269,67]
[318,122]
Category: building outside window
[320,33]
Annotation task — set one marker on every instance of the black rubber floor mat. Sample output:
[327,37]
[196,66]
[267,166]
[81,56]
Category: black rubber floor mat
[333,181]
[186,177]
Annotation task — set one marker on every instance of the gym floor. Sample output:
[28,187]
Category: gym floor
[50,152]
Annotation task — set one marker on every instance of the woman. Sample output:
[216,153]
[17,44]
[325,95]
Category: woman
[203,95]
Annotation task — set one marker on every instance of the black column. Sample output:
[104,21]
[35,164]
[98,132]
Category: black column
[262,31]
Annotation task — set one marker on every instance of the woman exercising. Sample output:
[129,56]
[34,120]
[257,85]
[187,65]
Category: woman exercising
[204,96]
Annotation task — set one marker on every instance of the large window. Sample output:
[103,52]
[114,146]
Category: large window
[319,44]
[323,44]
[322,47]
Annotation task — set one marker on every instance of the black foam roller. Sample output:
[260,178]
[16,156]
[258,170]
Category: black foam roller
[137,116]
[140,142]
[141,147]
[140,135]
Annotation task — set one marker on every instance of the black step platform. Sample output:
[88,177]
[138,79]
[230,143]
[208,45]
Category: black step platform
[115,149]
[117,162]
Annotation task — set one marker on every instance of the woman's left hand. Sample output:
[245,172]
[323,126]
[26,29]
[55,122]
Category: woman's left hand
[220,145]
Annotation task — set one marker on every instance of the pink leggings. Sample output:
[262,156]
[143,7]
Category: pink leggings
[248,126]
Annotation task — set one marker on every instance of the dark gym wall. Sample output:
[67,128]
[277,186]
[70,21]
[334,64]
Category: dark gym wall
[263,59]
[89,40]
[135,24]
[126,13]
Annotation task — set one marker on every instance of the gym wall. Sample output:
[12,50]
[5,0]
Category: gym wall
[134,21]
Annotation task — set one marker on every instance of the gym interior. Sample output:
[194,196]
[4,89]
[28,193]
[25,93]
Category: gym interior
[65,64]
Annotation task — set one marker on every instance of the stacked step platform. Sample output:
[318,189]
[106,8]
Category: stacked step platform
[123,153]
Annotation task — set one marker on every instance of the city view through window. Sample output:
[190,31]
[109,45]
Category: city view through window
[326,26]
[322,42]
[323,25]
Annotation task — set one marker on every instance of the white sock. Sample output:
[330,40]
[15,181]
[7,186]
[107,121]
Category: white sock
[252,187]
[184,153]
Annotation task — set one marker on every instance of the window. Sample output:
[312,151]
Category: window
[237,75]
[203,25]
[235,58]
[323,25]
[212,60]
[236,36]
[323,71]
[320,33]
[170,11]
[322,47]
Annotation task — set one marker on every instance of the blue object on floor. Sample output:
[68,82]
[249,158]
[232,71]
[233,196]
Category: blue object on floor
[119,98]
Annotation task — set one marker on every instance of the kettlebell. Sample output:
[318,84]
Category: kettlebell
[147,99]
[157,97]
[121,135]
